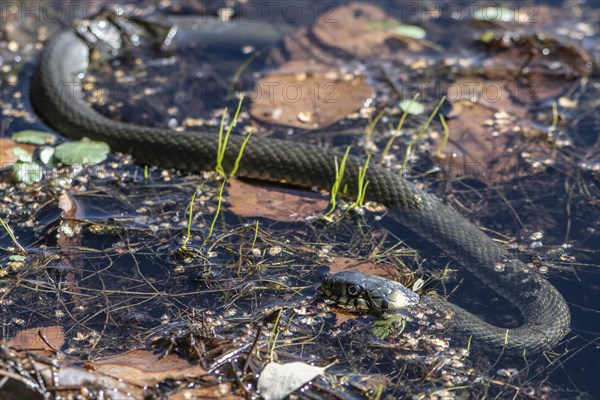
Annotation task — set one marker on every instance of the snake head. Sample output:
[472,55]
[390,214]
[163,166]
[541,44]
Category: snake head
[367,292]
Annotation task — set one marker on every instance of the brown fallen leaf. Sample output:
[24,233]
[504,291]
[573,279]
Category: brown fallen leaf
[143,367]
[273,202]
[128,375]
[536,67]
[47,338]
[492,94]
[359,29]
[300,46]
[490,146]
[307,95]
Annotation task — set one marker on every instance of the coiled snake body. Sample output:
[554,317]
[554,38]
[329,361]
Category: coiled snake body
[57,98]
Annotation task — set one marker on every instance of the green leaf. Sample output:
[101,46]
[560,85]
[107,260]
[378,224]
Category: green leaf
[83,151]
[46,154]
[415,108]
[34,137]
[411,31]
[22,154]
[494,14]
[27,172]
[16,257]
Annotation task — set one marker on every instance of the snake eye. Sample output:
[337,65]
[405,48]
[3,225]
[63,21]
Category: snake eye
[353,290]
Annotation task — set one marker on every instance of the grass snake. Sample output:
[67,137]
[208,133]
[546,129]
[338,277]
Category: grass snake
[58,99]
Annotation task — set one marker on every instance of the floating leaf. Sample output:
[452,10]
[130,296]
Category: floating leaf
[277,381]
[8,156]
[83,151]
[494,14]
[415,108]
[34,137]
[28,172]
[22,154]
[410,31]
[46,154]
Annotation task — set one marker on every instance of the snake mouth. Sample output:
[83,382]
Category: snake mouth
[352,289]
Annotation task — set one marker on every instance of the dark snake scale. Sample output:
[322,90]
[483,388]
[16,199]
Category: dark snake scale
[58,99]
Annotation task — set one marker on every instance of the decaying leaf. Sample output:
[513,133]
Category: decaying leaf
[308,96]
[47,338]
[277,381]
[490,146]
[493,94]
[273,202]
[142,367]
[536,67]
[358,29]
[126,376]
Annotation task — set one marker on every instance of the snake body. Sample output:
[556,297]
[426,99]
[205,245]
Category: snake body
[58,99]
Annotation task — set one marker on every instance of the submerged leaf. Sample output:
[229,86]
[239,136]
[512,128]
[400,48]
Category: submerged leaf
[308,95]
[273,202]
[83,151]
[361,30]
[277,381]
